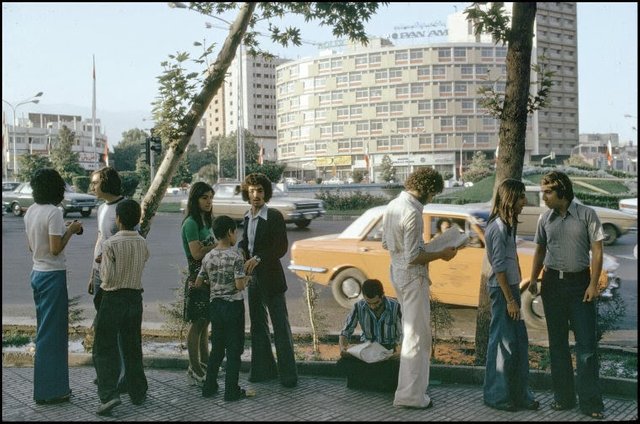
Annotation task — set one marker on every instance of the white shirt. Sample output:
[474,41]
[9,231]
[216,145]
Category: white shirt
[253,225]
[106,227]
[40,222]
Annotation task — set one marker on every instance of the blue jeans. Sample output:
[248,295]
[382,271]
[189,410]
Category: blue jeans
[263,365]
[120,315]
[51,362]
[507,369]
[227,338]
[564,310]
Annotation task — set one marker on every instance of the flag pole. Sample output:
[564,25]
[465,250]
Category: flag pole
[93,115]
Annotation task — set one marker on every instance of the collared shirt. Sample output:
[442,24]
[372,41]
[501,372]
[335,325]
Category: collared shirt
[502,253]
[221,267]
[253,225]
[123,259]
[568,240]
[403,232]
[386,330]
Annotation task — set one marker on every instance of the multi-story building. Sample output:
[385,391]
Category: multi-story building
[345,110]
[252,107]
[38,133]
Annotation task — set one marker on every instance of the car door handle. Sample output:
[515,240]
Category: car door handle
[364,249]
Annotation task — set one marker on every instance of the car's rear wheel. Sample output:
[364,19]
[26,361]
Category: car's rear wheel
[303,223]
[347,287]
[86,213]
[532,310]
[610,234]
[16,209]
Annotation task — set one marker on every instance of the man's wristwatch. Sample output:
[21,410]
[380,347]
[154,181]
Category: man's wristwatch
[257,258]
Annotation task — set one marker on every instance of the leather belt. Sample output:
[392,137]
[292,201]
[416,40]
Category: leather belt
[562,275]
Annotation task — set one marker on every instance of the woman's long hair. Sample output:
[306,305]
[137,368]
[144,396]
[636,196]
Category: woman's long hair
[508,194]
[193,207]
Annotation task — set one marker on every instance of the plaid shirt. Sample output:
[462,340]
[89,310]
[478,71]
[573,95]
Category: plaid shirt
[386,330]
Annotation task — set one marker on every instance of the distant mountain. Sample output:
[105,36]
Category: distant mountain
[113,123]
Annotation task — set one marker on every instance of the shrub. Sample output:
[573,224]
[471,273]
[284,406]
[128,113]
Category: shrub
[130,181]
[81,183]
[354,201]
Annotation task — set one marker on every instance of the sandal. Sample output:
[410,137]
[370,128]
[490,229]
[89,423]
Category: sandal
[596,415]
[557,406]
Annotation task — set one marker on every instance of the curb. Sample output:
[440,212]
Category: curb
[450,374]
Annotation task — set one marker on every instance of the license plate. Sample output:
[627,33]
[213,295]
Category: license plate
[85,209]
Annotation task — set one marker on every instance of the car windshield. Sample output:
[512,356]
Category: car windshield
[357,229]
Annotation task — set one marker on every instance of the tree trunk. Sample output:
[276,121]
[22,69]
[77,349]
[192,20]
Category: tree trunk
[513,127]
[176,148]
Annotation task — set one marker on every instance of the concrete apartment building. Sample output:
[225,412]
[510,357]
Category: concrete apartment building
[38,133]
[345,110]
[253,107]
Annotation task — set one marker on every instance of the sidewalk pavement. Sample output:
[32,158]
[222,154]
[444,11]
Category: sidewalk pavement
[319,396]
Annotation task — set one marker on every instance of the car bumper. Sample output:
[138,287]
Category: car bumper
[299,215]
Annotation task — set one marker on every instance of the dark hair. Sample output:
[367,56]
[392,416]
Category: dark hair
[193,207]
[440,221]
[508,193]
[221,226]
[372,288]
[128,210]
[256,179]
[48,187]
[110,181]
[425,180]
[560,183]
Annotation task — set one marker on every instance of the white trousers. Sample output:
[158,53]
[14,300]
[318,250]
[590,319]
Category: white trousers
[413,294]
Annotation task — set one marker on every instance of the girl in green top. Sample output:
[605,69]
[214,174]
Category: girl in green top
[197,241]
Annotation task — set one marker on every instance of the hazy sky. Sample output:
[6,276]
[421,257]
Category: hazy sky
[49,47]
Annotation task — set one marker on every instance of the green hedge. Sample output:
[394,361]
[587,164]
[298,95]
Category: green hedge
[604,200]
[350,201]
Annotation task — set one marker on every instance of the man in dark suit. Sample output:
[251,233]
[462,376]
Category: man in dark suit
[264,242]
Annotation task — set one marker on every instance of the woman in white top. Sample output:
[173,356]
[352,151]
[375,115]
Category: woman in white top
[47,238]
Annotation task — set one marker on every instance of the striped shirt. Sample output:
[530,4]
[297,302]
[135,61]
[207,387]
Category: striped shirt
[386,330]
[123,259]
[568,240]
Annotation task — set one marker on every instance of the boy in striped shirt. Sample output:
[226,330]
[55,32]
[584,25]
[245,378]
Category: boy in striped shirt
[123,258]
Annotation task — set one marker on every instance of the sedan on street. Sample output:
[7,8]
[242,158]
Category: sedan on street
[19,200]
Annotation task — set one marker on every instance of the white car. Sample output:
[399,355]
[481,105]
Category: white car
[629,206]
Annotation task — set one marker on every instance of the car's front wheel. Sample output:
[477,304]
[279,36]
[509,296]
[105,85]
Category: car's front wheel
[16,209]
[347,287]
[610,234]
[532,310]
[303,223]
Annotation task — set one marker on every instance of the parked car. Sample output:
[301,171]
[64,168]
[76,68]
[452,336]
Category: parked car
[9,185]
[343,261]
[295,210]
[629,206]
[614,223]
[19,200]
[333,180]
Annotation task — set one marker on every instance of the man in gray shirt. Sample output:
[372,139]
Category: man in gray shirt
[564,236]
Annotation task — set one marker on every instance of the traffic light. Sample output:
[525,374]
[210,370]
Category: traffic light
[156,144]
[147,150]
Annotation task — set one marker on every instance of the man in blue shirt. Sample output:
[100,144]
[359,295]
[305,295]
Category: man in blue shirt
[380,321]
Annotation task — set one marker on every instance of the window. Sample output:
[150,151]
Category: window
[445,89]
[376,126]
[403,125]
[417,123]
[444,55]
[397,108]
[395,74]
[402,56]
[324,65]
[424,72]
[460,89]
[361,61]
[461,123]
[342,80]
[402,91]
[362,127]
[375,93]
[440,106]
[417,90]
[416,55]
[440,139]
[355,77]
[486,53]
[338,128]
[439,71]
[424,141]
[424,106]
[466,71]
[382,110]
[362,95]
[460,54]
[381,75]
[446,123]
[356,111]
[375,59]
[336,63]
[342,112]
[396,142]
[467,106]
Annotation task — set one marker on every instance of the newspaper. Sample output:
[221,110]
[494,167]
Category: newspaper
[370,352]
[452,237]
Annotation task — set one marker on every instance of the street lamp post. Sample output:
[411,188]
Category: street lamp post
[31,99]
